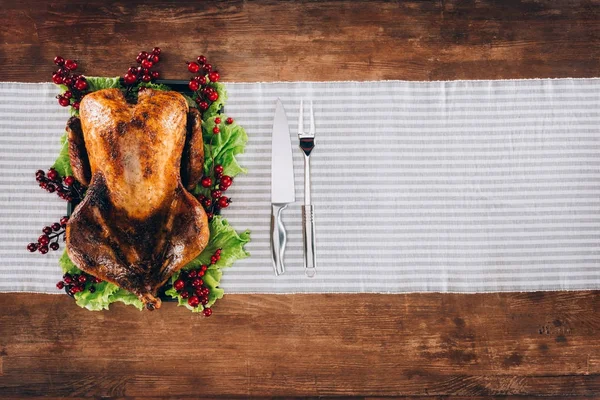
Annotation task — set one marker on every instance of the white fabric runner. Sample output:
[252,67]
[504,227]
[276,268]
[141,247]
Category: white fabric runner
[465,186]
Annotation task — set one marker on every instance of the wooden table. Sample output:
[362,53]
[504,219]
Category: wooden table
[307,345]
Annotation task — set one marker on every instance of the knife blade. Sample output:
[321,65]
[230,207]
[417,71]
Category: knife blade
[282,184]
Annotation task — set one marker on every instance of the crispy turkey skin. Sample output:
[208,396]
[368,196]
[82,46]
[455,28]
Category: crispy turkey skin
[138,224]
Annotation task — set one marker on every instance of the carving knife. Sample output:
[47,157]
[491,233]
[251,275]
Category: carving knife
[282,184]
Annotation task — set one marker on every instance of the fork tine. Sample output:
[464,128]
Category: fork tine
[301,119]
[312,120]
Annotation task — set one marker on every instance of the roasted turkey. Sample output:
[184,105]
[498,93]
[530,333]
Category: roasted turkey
[138,223]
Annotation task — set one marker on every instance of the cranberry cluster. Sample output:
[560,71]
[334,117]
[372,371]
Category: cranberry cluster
[190,285]
[76,83]
[143,72]
[66,188]
[50,237]
[204,95]
[217,185]
[77,283]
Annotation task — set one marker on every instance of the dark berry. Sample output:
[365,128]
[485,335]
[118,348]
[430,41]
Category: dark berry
[58,60]
[71,65]
[214,76]
[207,312]
[75,105]
[201,60]
[206,182]
[68,279]
[82,279]
[193,301]
[193,67]
[43,240]
[81,84]
[209,216]
[53,175]
[218,169]
[216,194]
[146,78]
[184,295]
[63,101]
[224,202]
[47,230]
[200,79]
[56,227]
[54,246]
[207,68]
[60,285]
[68,94]
[69,180]
[43,249]
[92,289]
[197,282]
[57,78]
[193,85]
[32,247]
[64,221]
[154,74]
[225,182]
[193,273]
[203,105]
[129,79]
[156,51]
[178,284]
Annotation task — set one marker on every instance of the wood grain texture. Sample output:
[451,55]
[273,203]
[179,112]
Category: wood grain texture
[307,345]
[288,40]
[355,346]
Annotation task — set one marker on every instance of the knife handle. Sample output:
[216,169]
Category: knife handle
[278,238]
[308,236]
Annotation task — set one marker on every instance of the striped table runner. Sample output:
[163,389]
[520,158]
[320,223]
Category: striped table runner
[464,186]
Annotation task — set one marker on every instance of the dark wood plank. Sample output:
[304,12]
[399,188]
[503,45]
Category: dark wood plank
[315,345]
[307,345]
[332,40]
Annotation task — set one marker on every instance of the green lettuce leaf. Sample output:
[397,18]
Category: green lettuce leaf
[63,164]
[223,147]
[155,86]
[99,83]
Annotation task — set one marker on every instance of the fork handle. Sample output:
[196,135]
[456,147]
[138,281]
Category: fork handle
[308,236]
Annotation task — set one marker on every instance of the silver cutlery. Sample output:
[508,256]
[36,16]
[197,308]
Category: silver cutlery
[282,184]
[307,144]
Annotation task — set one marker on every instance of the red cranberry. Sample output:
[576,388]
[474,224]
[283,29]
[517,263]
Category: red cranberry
[68,279]
[218,169]
[54,246]
[207,312]
[213,96]
[47,230]
[60,285]
[146,78]
[193,67]
[43,249]
[64,221]
[206,182]
[193,273]
[217,120]
[193,85]
[209,216]
[58,60]
[76,105]
[203,105]
[214,76]
[129,79]
[147,64]
[43,240]
[207,68]
[225,182]
[229,121]
[200,79]
[184,295]
[156,51]
[32,247]
[193,301]
[216,194]
[68,94]
[224,202]
[197,282]
[216,130]
[81,84]
[58,79]
[71,65]
[69,180]
[201,60]
[178,284]
[63,101]
[82,279]
[56,227]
